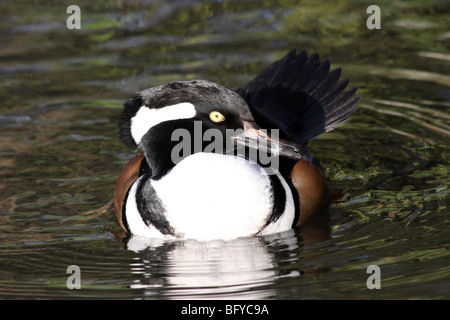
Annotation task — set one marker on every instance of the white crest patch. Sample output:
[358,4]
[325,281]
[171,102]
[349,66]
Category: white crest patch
[146,118]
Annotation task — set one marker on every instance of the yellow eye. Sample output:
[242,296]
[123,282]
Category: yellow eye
[216,116]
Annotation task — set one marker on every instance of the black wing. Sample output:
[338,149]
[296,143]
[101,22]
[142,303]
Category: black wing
[298,95]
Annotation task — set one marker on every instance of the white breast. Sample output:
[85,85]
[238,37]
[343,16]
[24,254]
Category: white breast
[213,196]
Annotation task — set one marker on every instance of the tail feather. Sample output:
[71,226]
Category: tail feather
[300,96]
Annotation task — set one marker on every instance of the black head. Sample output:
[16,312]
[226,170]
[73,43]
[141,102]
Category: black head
[158,119]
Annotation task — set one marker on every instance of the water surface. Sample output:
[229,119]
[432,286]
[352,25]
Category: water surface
[62,92]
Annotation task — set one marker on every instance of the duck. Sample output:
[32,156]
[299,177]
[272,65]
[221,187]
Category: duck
[216,163]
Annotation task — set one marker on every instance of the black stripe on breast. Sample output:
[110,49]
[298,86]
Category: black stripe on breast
[279,199]
[143,169]
[151,208]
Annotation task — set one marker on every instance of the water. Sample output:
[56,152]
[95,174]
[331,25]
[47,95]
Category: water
[62,92]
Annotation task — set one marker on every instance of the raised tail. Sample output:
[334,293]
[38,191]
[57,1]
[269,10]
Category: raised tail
[298,95]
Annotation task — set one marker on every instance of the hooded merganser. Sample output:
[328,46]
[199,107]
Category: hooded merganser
[214,191]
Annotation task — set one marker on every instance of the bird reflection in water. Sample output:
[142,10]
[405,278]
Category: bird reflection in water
[243,268]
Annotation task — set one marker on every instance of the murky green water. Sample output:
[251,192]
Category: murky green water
[61,94]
